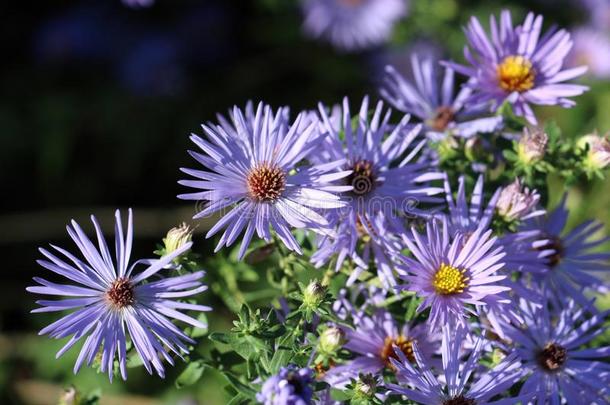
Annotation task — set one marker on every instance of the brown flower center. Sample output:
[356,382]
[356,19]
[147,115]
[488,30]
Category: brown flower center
[460,400]
[552,357]
[516,73]
[121,293]
[362,178]
[403,343]
[442,117]
[266,183]
[555,244]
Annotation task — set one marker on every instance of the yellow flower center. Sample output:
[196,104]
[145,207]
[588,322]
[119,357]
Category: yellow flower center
[450,280]
[516,73]
[403,343]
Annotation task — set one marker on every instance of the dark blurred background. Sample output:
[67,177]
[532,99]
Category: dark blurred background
[98,100]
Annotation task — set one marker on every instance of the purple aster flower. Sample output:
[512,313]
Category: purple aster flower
[385,182]
[374,340]
[455,386]
[566,260]
[451,271]
[112,302]
[352,24]
[291,386]
[255,169]
[552,348]
[592,48]
[519,65]
[465,219]
[433,101]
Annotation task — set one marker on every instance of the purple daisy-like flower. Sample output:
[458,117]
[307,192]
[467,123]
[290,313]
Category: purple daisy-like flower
[352,24]
[565,259]
[519,65]
[435,103]
[386,181]
[419,383]
[451,271]
[552,348]
[112,302]
[256,168]
[374,340]
[291,386]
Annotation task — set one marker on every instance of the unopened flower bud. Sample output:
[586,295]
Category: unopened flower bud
[314,294]
[176,237]
[516,202]
[474,148]
[598,156]
[532,145]
[69,397]
[331,340]
[366,386]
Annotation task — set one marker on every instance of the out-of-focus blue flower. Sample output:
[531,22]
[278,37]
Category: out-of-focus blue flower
[433,101]
[599,12]
[352,24]
[153,67]
[254,171]
[80,33]
[291,386]
[373,341]
[111,302]
[592,48]
[387,181]
[453,271]
[420,383]
[519,65]
[138,3]
[552,348]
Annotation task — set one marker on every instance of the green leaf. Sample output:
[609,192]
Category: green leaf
[191,374]
[283,353]
[239,386]
[224,338]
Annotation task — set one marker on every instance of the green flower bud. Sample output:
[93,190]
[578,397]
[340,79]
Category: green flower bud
[598,156]
[69,397]
[314,294]
[532,145]
[331,340]
[365,386]
[176,237]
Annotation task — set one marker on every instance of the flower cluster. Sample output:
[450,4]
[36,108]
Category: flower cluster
[425,295]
